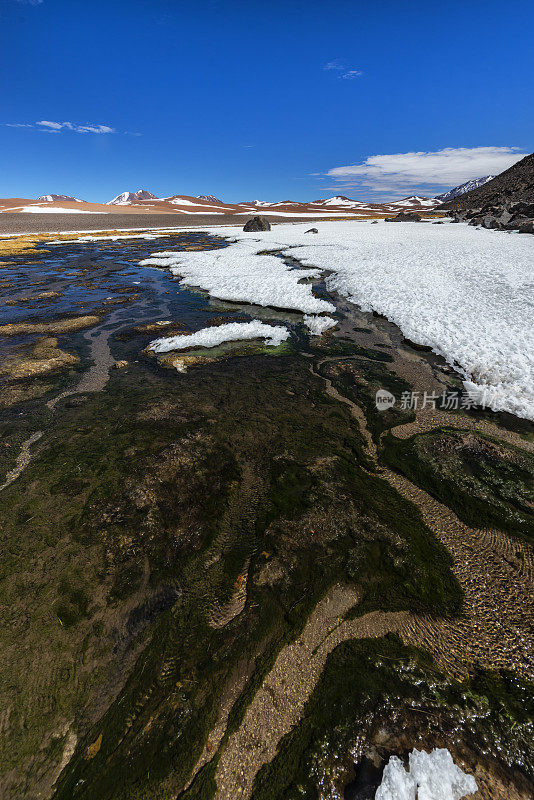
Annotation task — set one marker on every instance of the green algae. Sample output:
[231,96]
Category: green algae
[359,380]
[487,483]
[294,461]
[380,690]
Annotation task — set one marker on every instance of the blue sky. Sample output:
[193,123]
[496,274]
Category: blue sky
[278,100]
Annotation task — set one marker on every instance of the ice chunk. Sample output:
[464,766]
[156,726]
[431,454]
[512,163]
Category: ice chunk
[318,325]
[397,784]
[437,776]
[233,331]
[431,776]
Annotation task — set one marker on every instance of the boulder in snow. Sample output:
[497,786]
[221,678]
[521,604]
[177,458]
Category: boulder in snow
[405,216]
[257,224]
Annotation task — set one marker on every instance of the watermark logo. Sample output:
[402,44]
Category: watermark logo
[414,401]
[384,400]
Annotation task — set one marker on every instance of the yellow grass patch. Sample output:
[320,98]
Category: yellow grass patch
[54,326]
[44,357]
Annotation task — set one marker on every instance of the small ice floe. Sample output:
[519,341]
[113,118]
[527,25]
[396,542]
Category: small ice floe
[430,776]
[318,325]
[273,335]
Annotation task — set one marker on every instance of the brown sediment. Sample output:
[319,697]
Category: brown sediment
[23,459]
[221,615]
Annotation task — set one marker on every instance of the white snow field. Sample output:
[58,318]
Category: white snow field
[466,293]
[273,335]
[236,273]
[430,776]
[53,210]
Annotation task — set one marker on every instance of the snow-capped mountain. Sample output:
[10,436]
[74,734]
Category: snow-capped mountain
[416,202]
[464,188]
[126,198]
[209,197]
[52,198]
[339,200]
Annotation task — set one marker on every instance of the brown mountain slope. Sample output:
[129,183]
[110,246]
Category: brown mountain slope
[516,183]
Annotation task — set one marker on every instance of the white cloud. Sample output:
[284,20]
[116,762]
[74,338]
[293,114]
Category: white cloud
[30,2]
[348,73]
[46,125]
[54,125]
[70,126]
[402,172]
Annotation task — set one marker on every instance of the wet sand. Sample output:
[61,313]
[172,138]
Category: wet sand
[56,223]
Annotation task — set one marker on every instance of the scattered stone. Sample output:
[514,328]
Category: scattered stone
[527,227]
[257,224]
[120,364]
[312,230]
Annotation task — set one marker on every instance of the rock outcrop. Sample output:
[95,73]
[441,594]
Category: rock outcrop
[517,216]
[257,224]
[505,203]
[405,216]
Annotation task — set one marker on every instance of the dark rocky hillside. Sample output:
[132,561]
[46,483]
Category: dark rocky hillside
[514,184]
[504,203]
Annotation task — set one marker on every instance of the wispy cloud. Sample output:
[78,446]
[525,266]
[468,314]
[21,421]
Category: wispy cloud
[30,2]
[47,126]
[70,126]
[342,71]
[403,173]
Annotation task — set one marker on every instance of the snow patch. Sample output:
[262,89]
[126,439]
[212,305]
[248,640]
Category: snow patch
[465,293]
[53,210]
[430,776]
[237,273]
[273,335]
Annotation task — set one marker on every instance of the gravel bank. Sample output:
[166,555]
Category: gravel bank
[57,223]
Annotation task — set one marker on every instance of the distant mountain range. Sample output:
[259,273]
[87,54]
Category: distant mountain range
[515,182]
[468,186]
[143,201]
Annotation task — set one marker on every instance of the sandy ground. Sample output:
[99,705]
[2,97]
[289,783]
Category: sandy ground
[43,223]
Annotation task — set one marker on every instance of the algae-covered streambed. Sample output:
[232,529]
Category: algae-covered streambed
[234,576]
